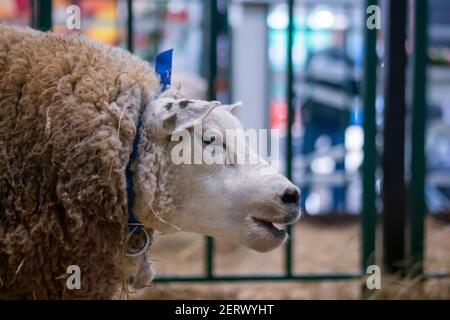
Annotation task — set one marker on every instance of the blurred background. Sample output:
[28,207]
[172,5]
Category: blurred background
[237,50]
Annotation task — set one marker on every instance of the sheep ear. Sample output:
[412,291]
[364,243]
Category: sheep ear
[231,107]
[169,122]
[173,92]
[200,119]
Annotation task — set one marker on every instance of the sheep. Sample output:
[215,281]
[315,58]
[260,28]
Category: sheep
[68,118]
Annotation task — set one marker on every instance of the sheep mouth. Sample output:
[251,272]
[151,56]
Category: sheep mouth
[262,235]
[269,227]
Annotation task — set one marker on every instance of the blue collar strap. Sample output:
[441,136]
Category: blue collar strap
[163,68]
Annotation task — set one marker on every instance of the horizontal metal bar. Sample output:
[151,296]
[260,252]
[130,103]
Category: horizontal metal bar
[336,179]
[437,274]
[332,276]
[336,152]
[263,277]
[440,178]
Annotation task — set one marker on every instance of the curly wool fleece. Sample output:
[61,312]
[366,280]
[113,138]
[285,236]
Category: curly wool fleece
[63,197]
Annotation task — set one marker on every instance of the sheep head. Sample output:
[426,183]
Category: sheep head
[182,184]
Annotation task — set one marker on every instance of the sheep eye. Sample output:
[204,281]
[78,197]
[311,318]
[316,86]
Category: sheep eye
[210,141]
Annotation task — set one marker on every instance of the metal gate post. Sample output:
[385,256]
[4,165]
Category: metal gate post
[289,121]
[130,26]
[42,14]
[394,193]
[368,213]
[418,169]
[211,74]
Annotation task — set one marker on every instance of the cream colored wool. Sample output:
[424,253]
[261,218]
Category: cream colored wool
[63,194]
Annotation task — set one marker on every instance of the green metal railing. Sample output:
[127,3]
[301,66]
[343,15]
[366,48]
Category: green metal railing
[368,229]
[211,11]
[41,14]
[130,26]
[42,20]
[290,95]
[417,196]
[369,213]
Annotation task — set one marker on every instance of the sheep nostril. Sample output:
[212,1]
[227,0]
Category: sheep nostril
[291,196]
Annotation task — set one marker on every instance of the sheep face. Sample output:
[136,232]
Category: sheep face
[202,184]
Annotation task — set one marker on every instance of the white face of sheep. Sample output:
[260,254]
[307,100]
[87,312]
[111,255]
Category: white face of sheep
[239,201]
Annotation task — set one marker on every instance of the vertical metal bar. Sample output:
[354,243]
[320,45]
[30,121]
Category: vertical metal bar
[417,203]
[290,119]
[369,91]
[368,214]
[211,73]
[32,21]
[42,15]
[212,48]
[130,26]
[394,193]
